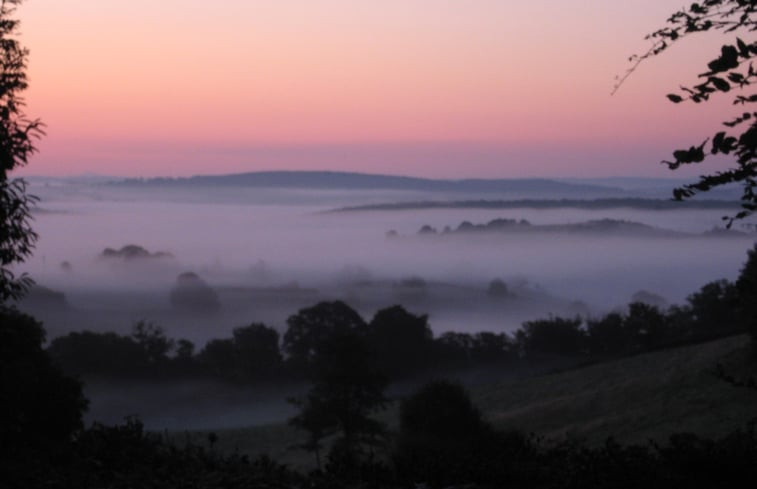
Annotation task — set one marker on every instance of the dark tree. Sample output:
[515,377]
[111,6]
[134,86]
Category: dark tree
[608,337]
[647,325]
[185,350]
[311,327]
[491,348]
[730,70]
[252,354]
[440,410]
[453,350]
[403,341]
[315,418]
[498,289]
[443,439]
[193,295]
[552,337]
[153,342]
[715,309]
[746,285]
[17,137]
[86,352]
[256,351]
[347,390]
[218,358]
[37,402]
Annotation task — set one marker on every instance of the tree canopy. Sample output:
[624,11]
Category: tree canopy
[731,70]
[17,137]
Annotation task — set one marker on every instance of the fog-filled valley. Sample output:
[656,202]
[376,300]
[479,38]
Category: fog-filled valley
[266,261]
[111,254]
[378,245]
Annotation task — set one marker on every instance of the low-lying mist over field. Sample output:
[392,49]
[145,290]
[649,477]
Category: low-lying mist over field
[199,258]
[265,260]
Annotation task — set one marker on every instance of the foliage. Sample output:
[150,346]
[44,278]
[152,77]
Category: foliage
[17,135]
[37,402]
[251,354]
[193,295]
[746,286]
[403,341]
[647,326]
[442,436]
[498,288]
[145,352]
[310,327]
[127,456]
[443,442]
[152,341]
[401,345]
[608,337]
[717,306]
[347,389]
[87,352]
[554,336]
[731,70]
[256,351]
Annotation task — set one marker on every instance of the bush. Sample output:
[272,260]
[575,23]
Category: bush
[37,402]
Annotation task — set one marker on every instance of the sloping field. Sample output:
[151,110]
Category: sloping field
[633,399]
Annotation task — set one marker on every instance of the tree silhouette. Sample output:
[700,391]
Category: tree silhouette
[347,389]
[732,69]
[554,336]
[311,327]
[17,135]
[38,403]
[256,351]
[746,285]
[153,342]
[443,439]
[403,341]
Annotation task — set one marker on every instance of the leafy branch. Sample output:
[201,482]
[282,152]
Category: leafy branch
[732,69]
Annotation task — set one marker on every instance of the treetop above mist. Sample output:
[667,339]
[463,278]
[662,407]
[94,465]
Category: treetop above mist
[610,203]
[603,227]
[133,252]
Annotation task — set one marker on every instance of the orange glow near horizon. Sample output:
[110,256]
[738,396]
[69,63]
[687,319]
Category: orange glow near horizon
[113,78]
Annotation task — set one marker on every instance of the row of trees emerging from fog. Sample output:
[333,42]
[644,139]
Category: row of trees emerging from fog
[442,439]
[404,345]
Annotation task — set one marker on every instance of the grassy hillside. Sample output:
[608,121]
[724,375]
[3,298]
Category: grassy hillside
[633,400]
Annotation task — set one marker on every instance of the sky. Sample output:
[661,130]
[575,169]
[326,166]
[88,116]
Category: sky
[432,88]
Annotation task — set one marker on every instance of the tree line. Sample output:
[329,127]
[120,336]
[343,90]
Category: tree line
[404,344]
[442,439]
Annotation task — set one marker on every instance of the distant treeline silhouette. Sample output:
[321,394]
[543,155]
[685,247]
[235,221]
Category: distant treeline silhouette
[606,203]
[404,344]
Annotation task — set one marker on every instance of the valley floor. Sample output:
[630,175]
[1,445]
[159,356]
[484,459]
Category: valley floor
[633,400]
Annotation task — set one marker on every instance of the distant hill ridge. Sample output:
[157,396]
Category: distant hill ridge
[606,203]
[346,180]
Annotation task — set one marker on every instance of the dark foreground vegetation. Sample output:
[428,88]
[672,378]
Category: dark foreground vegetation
[441,440]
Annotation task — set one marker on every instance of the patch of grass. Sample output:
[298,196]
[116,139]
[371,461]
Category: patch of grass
[278,441]
[634,399]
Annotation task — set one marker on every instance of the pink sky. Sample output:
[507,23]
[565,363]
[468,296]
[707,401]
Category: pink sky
[435,88]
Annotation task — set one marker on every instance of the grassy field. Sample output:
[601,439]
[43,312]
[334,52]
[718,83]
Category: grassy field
[634,399]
